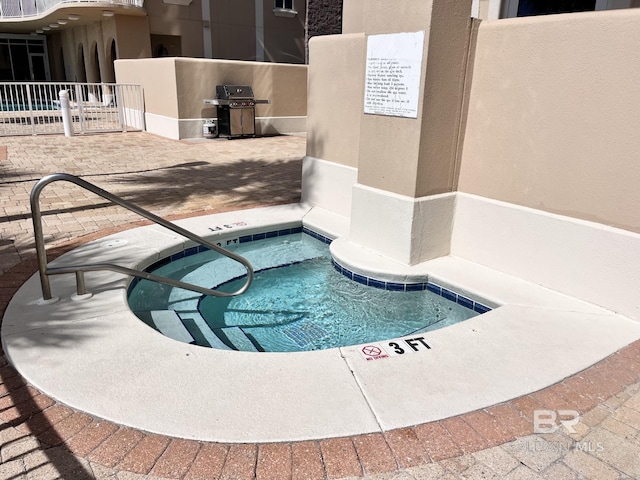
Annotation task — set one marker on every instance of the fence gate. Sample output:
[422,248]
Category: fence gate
[34,108]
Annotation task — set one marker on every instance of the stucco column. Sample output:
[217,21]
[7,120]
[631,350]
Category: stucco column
[407,167]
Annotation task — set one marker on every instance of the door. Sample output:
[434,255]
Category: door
[248,121]
[38,67]
[235,121]
[242,121]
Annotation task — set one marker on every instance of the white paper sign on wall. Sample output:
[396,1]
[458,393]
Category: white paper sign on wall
[392,83]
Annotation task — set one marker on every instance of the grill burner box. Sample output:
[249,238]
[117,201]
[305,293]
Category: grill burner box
[236,110]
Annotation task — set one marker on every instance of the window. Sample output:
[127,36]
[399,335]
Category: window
[166,45]
[546,7]
[23,59]
[525,8]
[284,4]
[284,8]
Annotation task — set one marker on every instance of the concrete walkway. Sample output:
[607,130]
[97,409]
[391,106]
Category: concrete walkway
[43,439]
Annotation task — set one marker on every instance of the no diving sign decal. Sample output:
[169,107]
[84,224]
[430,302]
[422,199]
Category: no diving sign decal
[378,351]
[373,352]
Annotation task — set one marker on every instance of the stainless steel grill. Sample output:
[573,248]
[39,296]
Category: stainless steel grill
[236,110]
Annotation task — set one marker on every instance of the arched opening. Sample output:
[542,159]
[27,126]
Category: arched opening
[108,94]
[81,70]
[111,56]
[63,65]
[93,75]
[80,76]
[96,63]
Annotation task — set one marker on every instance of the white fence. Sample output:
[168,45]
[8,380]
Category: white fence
[34,108]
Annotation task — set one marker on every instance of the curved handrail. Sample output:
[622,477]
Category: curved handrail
[41,252]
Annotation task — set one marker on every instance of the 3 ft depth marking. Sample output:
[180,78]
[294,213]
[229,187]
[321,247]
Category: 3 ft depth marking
[378,351]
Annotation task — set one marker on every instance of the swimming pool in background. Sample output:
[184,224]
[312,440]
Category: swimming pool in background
[299,300]
[22,107]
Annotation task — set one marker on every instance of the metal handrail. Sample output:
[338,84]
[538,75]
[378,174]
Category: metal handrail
[79,270]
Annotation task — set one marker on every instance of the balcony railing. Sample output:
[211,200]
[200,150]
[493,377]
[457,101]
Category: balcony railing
[34,8]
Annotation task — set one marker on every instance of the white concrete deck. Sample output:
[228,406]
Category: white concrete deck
[96,356]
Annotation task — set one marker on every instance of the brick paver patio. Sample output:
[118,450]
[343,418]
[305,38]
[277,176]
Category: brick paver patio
[43,439]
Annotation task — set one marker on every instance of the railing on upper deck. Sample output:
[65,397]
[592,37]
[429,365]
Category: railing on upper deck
[30,8]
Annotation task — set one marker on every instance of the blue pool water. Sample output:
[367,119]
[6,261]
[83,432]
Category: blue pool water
[298,301]
[20,107]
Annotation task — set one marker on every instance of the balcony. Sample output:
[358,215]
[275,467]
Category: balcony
[22,16]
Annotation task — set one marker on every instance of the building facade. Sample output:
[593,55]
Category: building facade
[42,40]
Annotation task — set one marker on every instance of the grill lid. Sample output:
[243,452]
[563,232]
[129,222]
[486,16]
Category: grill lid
[229,92]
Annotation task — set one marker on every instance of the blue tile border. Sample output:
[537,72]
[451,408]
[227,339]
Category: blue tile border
[317,236]
[270,234]
[458,298]
[449,295]
[413,287]
[243,239]
[362,279]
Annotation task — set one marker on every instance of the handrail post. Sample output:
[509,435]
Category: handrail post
[81,288]
[30,106]
[65,108]
[118,96]
[41,252]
